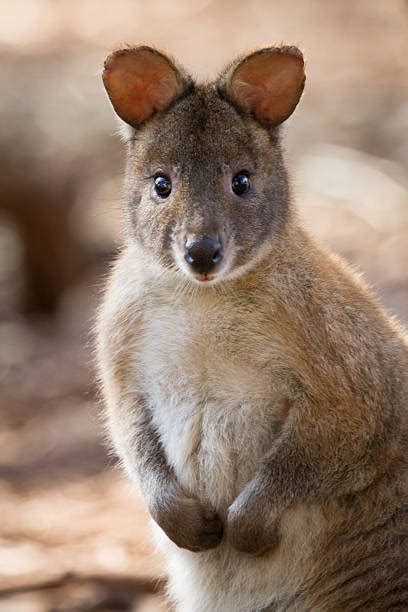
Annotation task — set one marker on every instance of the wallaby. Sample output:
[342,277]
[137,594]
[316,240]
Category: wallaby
[255,390]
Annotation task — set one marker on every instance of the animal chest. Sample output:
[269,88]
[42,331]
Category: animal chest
[216,392]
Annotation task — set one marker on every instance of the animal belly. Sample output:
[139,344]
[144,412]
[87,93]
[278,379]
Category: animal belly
[233,441]
[215,433]
[225,580]
[215,447]
[217,414]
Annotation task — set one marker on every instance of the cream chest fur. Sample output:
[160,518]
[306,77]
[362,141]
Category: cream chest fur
[208,370]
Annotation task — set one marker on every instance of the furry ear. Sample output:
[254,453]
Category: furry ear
[141,81]
[267,83]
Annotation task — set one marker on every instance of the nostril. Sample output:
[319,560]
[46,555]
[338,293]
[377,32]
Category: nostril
[188,257]
[217,256]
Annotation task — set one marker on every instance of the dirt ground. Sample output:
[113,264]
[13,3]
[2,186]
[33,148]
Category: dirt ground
[74,535]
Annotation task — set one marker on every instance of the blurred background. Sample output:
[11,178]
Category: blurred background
[73,534]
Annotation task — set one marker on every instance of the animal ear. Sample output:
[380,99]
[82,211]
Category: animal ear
[141,81]
[267,83]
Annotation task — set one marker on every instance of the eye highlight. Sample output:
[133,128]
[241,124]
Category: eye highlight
[241,183]
[162,186]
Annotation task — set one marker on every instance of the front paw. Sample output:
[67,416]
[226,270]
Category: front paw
[186,521]
[252,526]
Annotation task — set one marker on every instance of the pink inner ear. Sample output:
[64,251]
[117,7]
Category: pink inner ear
[140,82]
[269,84]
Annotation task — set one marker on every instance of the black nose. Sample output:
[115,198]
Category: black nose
[203,255]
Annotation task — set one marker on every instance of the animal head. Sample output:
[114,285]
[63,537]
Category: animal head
[206,191]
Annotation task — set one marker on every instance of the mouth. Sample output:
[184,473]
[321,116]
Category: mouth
[203,279]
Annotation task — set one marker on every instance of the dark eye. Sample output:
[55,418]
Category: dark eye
[241,183]
[162,186]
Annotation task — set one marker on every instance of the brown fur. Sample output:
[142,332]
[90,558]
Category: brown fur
[284,323]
